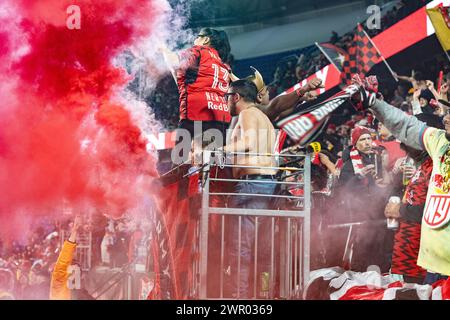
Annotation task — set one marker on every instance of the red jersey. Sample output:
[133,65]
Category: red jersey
[203,80]
[416,191]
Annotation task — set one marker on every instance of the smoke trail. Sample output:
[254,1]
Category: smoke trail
[68,130]
[170,31]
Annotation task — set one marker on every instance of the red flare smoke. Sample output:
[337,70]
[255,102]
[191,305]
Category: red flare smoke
[63,132]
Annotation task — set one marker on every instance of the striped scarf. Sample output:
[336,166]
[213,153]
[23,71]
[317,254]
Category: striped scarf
[356,161]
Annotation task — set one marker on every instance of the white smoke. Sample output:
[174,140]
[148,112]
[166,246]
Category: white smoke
[168,30]
[146,64]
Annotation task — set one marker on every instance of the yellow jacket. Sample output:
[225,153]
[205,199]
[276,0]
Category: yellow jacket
[58,284]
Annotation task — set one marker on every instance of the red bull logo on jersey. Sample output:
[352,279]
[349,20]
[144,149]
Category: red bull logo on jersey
[438,181]
[436,214]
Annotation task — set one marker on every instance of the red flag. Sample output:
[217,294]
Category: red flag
[362,56]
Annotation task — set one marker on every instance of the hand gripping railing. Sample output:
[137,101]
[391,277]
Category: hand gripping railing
[293,224]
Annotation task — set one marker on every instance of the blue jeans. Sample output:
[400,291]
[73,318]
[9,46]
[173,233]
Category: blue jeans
[431,278]
[248,227]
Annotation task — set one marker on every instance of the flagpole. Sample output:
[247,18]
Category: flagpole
[446,53]
[327,56]
[384,60]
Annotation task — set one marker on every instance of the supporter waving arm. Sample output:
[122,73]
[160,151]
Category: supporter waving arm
[58,285]
[284,104]
[406,128]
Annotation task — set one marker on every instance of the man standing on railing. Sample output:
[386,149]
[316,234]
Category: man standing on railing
[202,75]
[254,134]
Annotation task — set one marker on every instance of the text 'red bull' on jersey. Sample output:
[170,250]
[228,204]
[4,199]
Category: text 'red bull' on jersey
[203,79]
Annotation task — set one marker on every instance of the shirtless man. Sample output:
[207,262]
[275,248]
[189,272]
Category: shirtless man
[254,133]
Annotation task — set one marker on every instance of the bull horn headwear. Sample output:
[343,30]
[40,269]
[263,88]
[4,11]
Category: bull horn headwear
[256,78]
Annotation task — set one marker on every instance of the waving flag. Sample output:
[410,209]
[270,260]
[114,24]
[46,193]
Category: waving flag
[440,18]
[338,284]
[362,56]
[335,55]
[303,127]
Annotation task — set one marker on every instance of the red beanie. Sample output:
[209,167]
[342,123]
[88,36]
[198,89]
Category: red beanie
[358,132]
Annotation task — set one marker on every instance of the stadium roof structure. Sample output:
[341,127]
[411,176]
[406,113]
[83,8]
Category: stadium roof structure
[220,13]
[262,27]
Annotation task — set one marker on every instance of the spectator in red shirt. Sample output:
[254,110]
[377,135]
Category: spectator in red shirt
[203,75]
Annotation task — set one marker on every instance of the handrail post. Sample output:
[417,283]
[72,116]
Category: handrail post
[204,218]
[307,221]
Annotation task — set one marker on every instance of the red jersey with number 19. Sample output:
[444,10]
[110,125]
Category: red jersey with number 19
[203,80]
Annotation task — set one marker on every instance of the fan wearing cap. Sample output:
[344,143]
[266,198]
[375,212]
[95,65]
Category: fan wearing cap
[361,168]
[362,200]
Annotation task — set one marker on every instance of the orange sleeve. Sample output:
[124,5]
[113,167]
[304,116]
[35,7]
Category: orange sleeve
[58,284]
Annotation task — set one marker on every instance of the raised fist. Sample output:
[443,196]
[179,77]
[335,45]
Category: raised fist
[310,96]
[314,84]
[366,92]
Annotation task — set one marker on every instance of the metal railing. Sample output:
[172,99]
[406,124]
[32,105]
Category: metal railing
[289,235]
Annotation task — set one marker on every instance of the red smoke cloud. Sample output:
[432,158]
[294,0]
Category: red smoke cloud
[64,134]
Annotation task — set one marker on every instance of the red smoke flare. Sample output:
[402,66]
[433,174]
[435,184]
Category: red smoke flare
[63,132]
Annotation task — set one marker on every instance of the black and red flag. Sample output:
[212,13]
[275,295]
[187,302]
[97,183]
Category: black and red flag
[362,56]
[306,125]
[334,54]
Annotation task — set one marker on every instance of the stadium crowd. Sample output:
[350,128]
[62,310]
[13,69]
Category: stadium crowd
[290,70]
[26,264]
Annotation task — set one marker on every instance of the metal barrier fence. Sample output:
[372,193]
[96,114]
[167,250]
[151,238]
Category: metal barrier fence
[289,233]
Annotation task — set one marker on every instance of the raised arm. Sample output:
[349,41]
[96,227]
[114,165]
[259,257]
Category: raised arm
[406,128]
[443,95]
[430,86]
[416,108]
[409,79]
[282,103]
[171,58]
[328,164]
[58,284]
